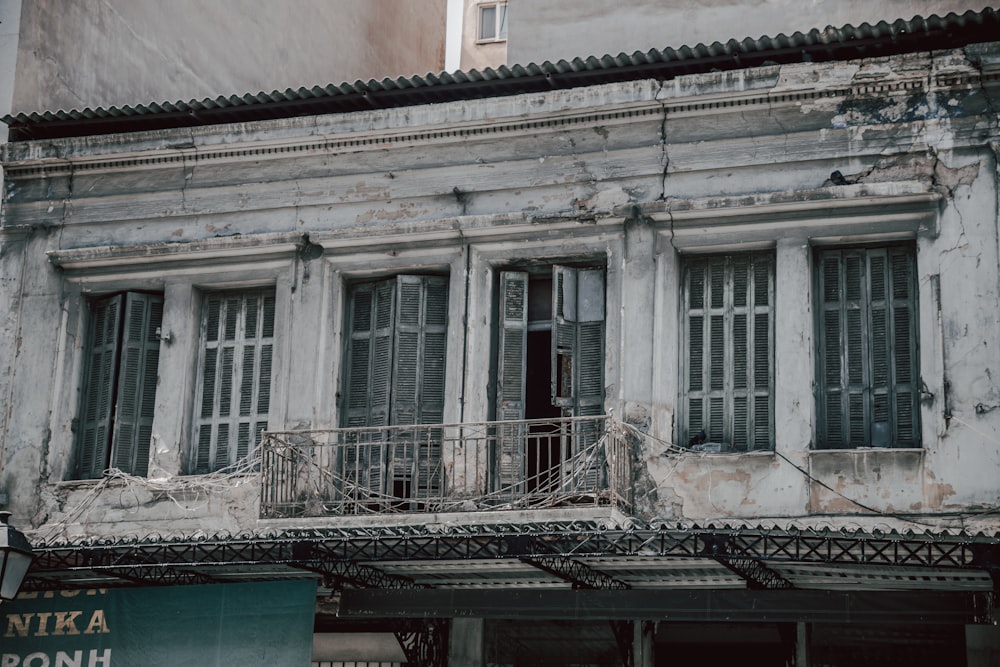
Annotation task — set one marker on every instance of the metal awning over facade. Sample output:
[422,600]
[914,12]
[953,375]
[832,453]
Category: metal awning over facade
[504,570]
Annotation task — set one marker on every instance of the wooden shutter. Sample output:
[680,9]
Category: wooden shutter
[578,365]
[511,377]
[903,362]
[140,354]
[237,351]
[366,400]
[578,340]
[729,377]
[418,380]
[98,388]
[867,341]
[430,476]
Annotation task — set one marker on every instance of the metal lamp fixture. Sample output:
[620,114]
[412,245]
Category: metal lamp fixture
[15,557]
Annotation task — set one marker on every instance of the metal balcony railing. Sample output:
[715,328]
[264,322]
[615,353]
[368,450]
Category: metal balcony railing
[446,468]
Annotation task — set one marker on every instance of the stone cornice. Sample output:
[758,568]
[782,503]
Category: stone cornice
[694,94]
[835,213]
[253,248]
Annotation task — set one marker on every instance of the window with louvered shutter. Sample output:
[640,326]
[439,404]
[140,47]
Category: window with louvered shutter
[573,306]
[728,333]
[866,300]
[234,393]
[395,370]
[119,387]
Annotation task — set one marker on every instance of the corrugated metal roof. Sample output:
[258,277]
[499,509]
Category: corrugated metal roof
[829,44]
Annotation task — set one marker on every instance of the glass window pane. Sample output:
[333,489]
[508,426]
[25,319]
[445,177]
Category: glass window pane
[487,22]
[502,29]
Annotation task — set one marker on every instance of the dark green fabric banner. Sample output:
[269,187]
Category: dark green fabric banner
[224,625]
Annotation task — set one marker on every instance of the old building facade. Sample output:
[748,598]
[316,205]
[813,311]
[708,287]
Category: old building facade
[633,348]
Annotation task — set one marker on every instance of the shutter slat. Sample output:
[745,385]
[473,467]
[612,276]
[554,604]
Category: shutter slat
[696,352]
[762,411]
[761,351]
[741,281]
[717,352]
[740,423]
[740,349]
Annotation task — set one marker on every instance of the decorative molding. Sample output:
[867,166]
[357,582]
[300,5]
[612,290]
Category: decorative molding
[230,249]
[47,167]
[900,210]
[690,103]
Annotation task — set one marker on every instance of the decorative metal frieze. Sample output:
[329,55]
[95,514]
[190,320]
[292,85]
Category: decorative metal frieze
[151,559]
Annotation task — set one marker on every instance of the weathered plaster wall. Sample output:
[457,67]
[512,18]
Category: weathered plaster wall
[634,175]
[124,52]
[541,31]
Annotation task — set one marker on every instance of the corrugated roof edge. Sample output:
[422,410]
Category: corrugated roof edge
[830,44]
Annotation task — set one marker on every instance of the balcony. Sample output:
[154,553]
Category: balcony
[432,468]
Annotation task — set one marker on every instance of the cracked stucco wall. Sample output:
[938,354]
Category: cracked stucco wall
[636,174]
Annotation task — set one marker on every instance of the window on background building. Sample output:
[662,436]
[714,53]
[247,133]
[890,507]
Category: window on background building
[550,364]
[866,301]
[728,376]
[234,394]
[394,376]
[493,22]
[119,387]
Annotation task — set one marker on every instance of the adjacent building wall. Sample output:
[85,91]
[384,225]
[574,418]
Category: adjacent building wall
[566,29]
[95,53]
[478,54]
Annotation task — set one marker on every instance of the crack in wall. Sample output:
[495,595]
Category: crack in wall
[187,175]
[664,155]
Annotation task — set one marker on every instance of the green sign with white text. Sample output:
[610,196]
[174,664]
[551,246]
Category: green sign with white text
[218,625]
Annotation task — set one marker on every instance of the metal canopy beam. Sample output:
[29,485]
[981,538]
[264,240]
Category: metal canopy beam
[757,575]
[786,606]
[357,574]
[575,572]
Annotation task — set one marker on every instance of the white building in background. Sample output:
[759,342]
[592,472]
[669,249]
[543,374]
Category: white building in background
[565,29]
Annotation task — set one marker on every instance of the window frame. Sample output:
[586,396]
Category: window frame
[577,325]
[713,387]
[865,385]
[203,454]
[499,32]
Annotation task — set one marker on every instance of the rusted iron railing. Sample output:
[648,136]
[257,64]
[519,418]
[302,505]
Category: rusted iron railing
[446,468]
